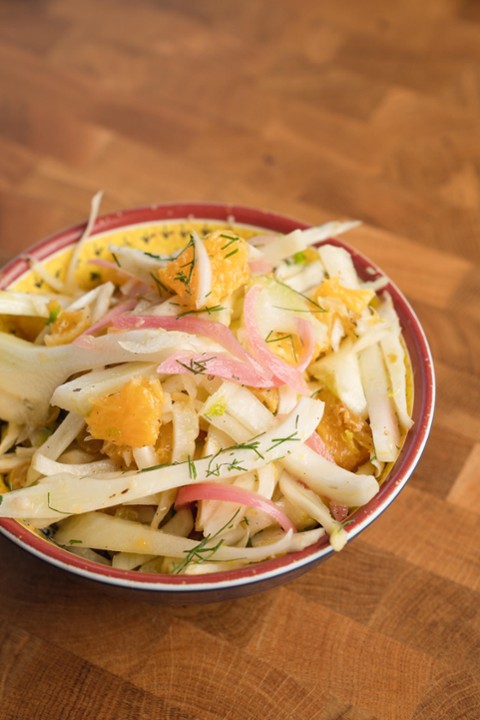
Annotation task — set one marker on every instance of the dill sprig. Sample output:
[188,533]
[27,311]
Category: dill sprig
[318,307]
[54,312]
[252,445]
[279,441]
[214,469]
[299,310]
[159,284]
[156,467]
[197,367]
[161,258]
[62,512]
[231,238]
[270,339]
[209,309]
[294,436]
[185,276]
[202,552]
[192,470]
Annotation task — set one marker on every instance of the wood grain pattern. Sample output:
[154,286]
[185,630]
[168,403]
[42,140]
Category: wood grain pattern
[318,110]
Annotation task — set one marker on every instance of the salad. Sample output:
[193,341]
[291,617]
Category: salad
[224,399]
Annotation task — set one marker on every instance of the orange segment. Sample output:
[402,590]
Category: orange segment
[347,436]
[286,345]
[67,326]
[354,300]
[268,396]
[25,327]
[228,254]
[130,416]
[164,446]
[28,327]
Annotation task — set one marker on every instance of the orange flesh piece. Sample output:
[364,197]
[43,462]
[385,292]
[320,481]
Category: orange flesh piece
[68,325]
[130,416]
[228,256]
[347,437]
[354,300]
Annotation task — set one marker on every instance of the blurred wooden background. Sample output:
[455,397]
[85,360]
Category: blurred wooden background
[321,110]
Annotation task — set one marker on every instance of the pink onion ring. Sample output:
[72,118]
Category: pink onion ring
[218,365]
[196,326]
[281,370]
[260,265]
[233,494]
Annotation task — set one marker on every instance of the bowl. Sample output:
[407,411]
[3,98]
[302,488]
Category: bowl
[214,587]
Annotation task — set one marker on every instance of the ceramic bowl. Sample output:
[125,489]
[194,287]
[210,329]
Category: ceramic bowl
[266,575]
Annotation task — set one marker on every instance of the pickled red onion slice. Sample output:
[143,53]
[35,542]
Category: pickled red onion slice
[195,326]
[260,265]
[218,365]
[281,370]
[233,494]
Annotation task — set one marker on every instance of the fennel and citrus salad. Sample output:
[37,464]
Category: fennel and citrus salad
[198,409]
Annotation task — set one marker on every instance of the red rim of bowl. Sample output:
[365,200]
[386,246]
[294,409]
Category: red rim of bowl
[292,563]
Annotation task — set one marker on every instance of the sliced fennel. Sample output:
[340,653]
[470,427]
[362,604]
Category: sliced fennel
[340,372]
[109,533]
[245,414]
[79,394]
[296,241]
[27,304]
[29,374]
[338,263]
[396,362]
[61,495]
[383,420]
[308,501]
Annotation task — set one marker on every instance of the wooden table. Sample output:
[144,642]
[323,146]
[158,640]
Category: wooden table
[319,110]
